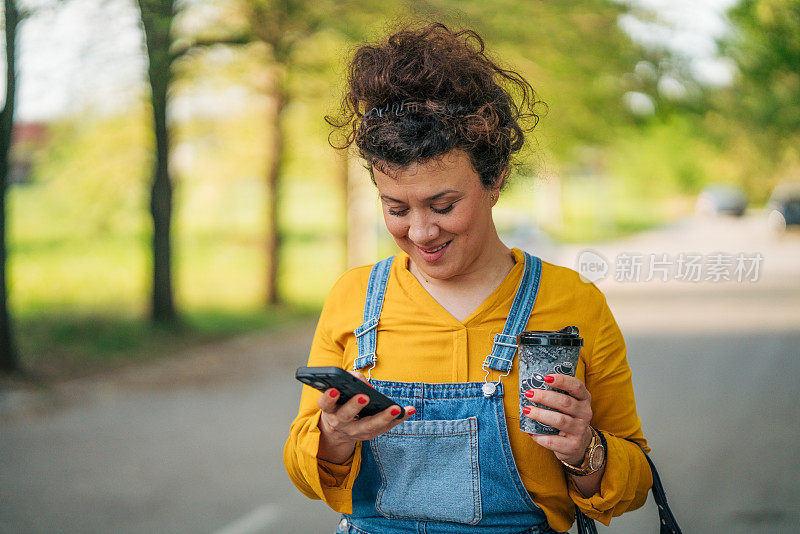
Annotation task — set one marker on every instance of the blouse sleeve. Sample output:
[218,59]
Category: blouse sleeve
[627,477]
[316,478]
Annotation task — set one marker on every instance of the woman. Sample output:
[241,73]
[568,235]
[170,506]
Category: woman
[437,130]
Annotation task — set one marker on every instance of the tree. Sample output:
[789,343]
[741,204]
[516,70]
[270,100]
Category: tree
[158,17]
[9,361]
[282,25]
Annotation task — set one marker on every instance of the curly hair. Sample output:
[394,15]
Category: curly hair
[424,92]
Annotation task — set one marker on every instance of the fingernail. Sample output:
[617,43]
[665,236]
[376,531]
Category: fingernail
[549,379]
[526,410]
[362,400]
[529,393]
[395,411]
[411,411]
[333,393]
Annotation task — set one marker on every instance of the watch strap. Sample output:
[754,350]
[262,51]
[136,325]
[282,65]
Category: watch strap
[586,468]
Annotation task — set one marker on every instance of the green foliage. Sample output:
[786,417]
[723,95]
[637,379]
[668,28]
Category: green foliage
[575,56]
[661,159]
[765,100]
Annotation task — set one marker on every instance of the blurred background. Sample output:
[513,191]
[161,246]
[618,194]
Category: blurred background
[173,218]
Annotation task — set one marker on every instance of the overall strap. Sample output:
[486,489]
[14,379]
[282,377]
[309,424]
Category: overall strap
[505,344]
[366,334]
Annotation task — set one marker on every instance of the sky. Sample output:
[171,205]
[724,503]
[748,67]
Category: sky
[690,30]
[84,53]
[90,53]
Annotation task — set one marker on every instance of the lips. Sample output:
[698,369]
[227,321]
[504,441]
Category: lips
[433,254]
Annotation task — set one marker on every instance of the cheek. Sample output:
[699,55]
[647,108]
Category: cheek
[461,224]
[395,225]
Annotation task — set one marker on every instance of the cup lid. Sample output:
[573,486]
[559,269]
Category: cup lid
[566,337]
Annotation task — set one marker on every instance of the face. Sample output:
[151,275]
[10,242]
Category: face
[440,214]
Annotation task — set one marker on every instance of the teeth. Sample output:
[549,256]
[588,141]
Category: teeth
[436,249]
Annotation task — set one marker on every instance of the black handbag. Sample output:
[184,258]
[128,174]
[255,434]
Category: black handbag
[668,523]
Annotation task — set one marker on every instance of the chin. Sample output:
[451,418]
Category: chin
[439,271]
[437,274]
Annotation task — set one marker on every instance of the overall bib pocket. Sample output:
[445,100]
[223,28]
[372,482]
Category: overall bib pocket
[429,471]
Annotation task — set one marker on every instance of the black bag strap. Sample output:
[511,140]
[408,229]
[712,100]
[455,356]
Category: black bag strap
[668,523]
[585,525]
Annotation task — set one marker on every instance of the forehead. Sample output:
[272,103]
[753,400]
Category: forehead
[452,170]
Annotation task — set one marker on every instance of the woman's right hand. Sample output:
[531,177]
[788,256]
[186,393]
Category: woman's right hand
[341,428]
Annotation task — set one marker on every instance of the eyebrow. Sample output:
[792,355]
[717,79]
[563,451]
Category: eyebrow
[434,197]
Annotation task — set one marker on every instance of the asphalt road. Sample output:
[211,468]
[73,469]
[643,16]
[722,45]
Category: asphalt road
[193,444]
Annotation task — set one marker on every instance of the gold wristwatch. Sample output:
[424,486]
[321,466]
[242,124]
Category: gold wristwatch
[593,458]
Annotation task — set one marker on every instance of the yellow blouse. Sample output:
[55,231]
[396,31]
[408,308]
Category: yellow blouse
[419,341]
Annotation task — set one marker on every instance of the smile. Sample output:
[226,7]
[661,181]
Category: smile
[437,249]
[435,254]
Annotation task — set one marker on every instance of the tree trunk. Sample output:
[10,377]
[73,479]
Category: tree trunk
[274,238]
[157,17]
[163,308]
[9,361]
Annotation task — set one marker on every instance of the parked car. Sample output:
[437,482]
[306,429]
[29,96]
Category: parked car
[721,200]
[784,206]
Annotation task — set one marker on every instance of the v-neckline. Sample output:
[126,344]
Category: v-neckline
[419,294]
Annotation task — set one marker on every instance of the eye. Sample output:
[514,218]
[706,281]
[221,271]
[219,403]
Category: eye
[398,213]
[443,210]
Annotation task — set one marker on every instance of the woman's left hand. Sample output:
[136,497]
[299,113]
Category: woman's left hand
[573,421]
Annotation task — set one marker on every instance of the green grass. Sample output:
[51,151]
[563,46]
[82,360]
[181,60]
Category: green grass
[586,221]
[67,342]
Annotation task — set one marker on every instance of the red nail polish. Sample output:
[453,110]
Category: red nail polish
[411,411]
[526,410]
[549,379]
[362,400]
[333,393]
[529,393]
[395,411]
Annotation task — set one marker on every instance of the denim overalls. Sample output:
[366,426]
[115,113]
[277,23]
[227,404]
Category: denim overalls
[449,467]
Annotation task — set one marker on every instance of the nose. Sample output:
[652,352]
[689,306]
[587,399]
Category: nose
[421,229]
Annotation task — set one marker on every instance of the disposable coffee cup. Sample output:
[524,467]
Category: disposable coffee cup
[541,353]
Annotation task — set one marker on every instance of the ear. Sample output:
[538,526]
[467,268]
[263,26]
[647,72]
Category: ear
[495,190]
[501,180]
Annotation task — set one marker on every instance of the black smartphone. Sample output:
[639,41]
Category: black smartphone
[323,378]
